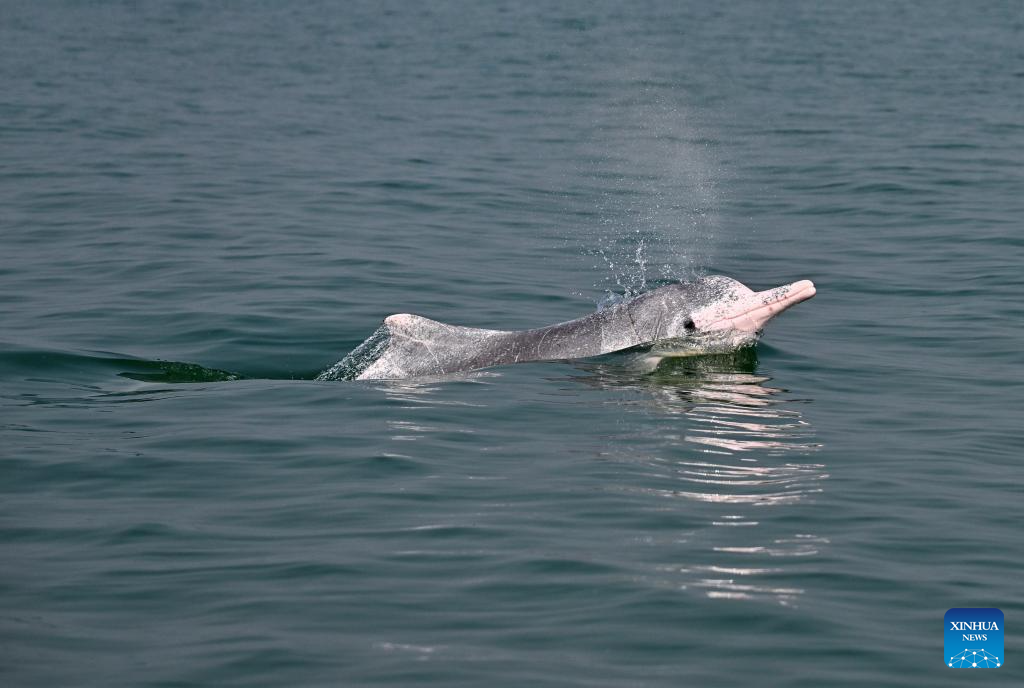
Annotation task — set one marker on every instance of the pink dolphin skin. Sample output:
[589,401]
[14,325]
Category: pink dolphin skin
[748,311]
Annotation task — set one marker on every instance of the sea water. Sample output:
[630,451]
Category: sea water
[205,205]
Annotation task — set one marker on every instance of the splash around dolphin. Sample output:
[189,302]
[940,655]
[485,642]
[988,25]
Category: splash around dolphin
[714,314]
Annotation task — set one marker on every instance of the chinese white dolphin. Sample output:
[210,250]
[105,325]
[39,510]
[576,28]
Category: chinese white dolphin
[714,314]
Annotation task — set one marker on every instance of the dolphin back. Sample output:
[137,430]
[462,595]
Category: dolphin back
[407,345]
[413,346]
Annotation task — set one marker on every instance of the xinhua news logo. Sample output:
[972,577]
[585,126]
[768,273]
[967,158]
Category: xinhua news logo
[974,638]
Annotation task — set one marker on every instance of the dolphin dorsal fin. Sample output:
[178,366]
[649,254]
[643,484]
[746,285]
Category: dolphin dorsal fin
[418,328]
[421,346]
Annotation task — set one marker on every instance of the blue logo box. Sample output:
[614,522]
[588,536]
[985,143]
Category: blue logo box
[974,638]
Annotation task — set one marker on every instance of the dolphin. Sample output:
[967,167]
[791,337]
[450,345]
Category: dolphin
[713,314]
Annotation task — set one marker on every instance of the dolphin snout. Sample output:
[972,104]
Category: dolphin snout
[750,311]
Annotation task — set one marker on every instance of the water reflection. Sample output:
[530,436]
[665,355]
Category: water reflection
[715,460]
[427,391]
[722,445]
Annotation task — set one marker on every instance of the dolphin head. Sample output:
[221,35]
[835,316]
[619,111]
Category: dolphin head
[725,304]
[717,314]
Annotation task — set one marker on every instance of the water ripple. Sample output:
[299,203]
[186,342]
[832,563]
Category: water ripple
[720,444]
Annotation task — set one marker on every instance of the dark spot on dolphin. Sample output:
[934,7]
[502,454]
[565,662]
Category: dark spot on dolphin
[689,325]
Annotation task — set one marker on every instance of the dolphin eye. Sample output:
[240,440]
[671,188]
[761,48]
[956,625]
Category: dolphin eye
[689,325]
